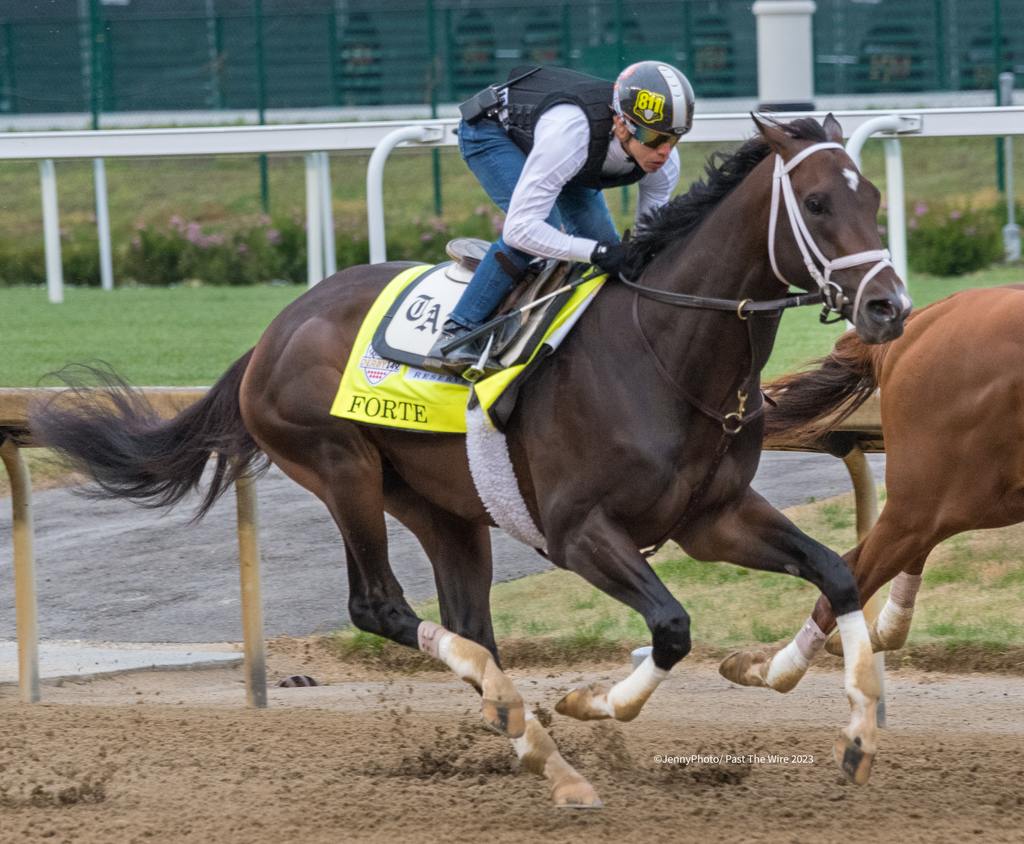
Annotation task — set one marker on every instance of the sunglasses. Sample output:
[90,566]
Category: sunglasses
[649,137]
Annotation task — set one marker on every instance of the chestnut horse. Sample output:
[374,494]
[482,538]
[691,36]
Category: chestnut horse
[952,402]
[646,426]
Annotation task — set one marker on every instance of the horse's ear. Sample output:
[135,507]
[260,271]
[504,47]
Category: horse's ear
[775,136]
[833,131]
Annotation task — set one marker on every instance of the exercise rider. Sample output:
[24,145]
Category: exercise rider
[543,146]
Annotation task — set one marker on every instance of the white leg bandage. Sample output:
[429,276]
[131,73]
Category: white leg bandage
[893,623]
[627,697]
[791,663]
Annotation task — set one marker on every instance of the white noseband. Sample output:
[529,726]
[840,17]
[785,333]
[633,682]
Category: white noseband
[830,290]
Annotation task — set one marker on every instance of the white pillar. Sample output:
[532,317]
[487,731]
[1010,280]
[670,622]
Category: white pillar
[51,232]
[785,55]
[314,222]
[103,224]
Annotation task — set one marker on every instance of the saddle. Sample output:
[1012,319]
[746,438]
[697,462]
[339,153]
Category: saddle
[413,322]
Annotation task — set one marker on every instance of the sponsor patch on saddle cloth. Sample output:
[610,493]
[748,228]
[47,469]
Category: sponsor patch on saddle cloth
[498,393]
[378,391]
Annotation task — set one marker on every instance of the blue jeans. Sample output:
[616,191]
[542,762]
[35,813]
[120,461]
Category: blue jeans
[497,163]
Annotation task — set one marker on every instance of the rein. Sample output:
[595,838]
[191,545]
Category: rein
[741,307]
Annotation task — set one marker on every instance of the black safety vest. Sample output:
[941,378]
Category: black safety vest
[535,93]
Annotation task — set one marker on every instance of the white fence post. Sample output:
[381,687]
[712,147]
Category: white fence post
[103,224]
[314,222]
[51,232]
[327,216]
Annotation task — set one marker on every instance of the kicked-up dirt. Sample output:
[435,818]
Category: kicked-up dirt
[373,755]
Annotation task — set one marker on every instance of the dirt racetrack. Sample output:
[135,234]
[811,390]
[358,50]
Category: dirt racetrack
[374,756]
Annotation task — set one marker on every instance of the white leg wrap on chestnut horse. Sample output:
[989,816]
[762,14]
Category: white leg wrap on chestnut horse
[893,623]
[502,707]
[538,754]
[856,752]
[788,666]
[623,701]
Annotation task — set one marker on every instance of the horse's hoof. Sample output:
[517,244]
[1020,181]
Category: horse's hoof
[576,793]
[580,704]
[745,668]
[505,717]
[834,644]
[853,759]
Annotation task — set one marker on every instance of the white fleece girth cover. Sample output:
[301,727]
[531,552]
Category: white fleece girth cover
[495,479]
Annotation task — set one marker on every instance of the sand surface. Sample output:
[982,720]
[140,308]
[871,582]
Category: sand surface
[372,755]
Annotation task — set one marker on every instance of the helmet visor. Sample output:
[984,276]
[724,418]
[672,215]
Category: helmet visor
[649,137]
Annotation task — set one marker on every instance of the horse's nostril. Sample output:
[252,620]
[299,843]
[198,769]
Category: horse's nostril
[882,310]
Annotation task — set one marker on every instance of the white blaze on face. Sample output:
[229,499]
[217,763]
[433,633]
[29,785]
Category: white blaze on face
[852,179]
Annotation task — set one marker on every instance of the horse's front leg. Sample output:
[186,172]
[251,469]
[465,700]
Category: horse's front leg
[602,553]
[756,535]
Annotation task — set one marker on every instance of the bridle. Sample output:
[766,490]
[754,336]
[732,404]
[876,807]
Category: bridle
[831,293]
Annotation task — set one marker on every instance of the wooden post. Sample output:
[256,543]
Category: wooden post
[252,604]
[24,571]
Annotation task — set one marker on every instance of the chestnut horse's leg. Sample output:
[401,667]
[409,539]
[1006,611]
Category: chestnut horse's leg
[460,553]
[756,535]
[604,554]
[894,548]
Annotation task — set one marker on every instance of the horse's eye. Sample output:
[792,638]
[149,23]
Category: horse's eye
[814,205]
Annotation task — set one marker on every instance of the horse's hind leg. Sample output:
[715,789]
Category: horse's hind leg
[460,553]
[349,477]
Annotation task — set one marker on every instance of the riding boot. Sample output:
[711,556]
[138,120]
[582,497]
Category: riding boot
[468,354]
[499,271]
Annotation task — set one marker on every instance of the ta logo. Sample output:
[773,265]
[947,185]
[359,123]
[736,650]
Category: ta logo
[425,311]
[649,106]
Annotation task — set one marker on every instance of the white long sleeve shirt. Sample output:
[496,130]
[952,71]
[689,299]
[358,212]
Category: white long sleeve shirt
[560,141]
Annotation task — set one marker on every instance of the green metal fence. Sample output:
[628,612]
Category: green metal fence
[143,55]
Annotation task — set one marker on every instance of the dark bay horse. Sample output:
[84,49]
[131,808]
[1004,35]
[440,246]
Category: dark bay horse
[646,426]
[952,403]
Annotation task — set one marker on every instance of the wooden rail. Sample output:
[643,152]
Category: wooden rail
[861,433]
[15,435]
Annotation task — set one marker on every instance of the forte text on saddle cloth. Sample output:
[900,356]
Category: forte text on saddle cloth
[378,391]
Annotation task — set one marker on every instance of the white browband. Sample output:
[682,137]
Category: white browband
[834,298]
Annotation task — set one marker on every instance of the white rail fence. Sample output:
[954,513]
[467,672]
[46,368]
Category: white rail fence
[316,140]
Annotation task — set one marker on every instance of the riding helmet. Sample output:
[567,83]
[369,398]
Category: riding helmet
[655,95]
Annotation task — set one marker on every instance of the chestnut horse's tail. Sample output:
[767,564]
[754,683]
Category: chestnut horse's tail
[114,436]
[809,402]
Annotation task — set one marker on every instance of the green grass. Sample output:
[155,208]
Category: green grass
[170,336]
[976,598]
[189,335]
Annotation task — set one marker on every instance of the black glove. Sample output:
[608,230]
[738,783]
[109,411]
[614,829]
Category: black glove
[609,257]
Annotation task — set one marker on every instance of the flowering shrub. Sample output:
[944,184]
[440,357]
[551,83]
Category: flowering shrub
[184,251]
[269,250]
[944,240]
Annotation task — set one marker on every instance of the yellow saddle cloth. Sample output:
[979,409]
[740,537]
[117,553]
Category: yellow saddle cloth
[378,391]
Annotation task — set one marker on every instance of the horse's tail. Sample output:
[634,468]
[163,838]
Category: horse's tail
[810,402]
[114,436]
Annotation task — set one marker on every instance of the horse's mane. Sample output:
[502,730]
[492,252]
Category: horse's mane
[679,217]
